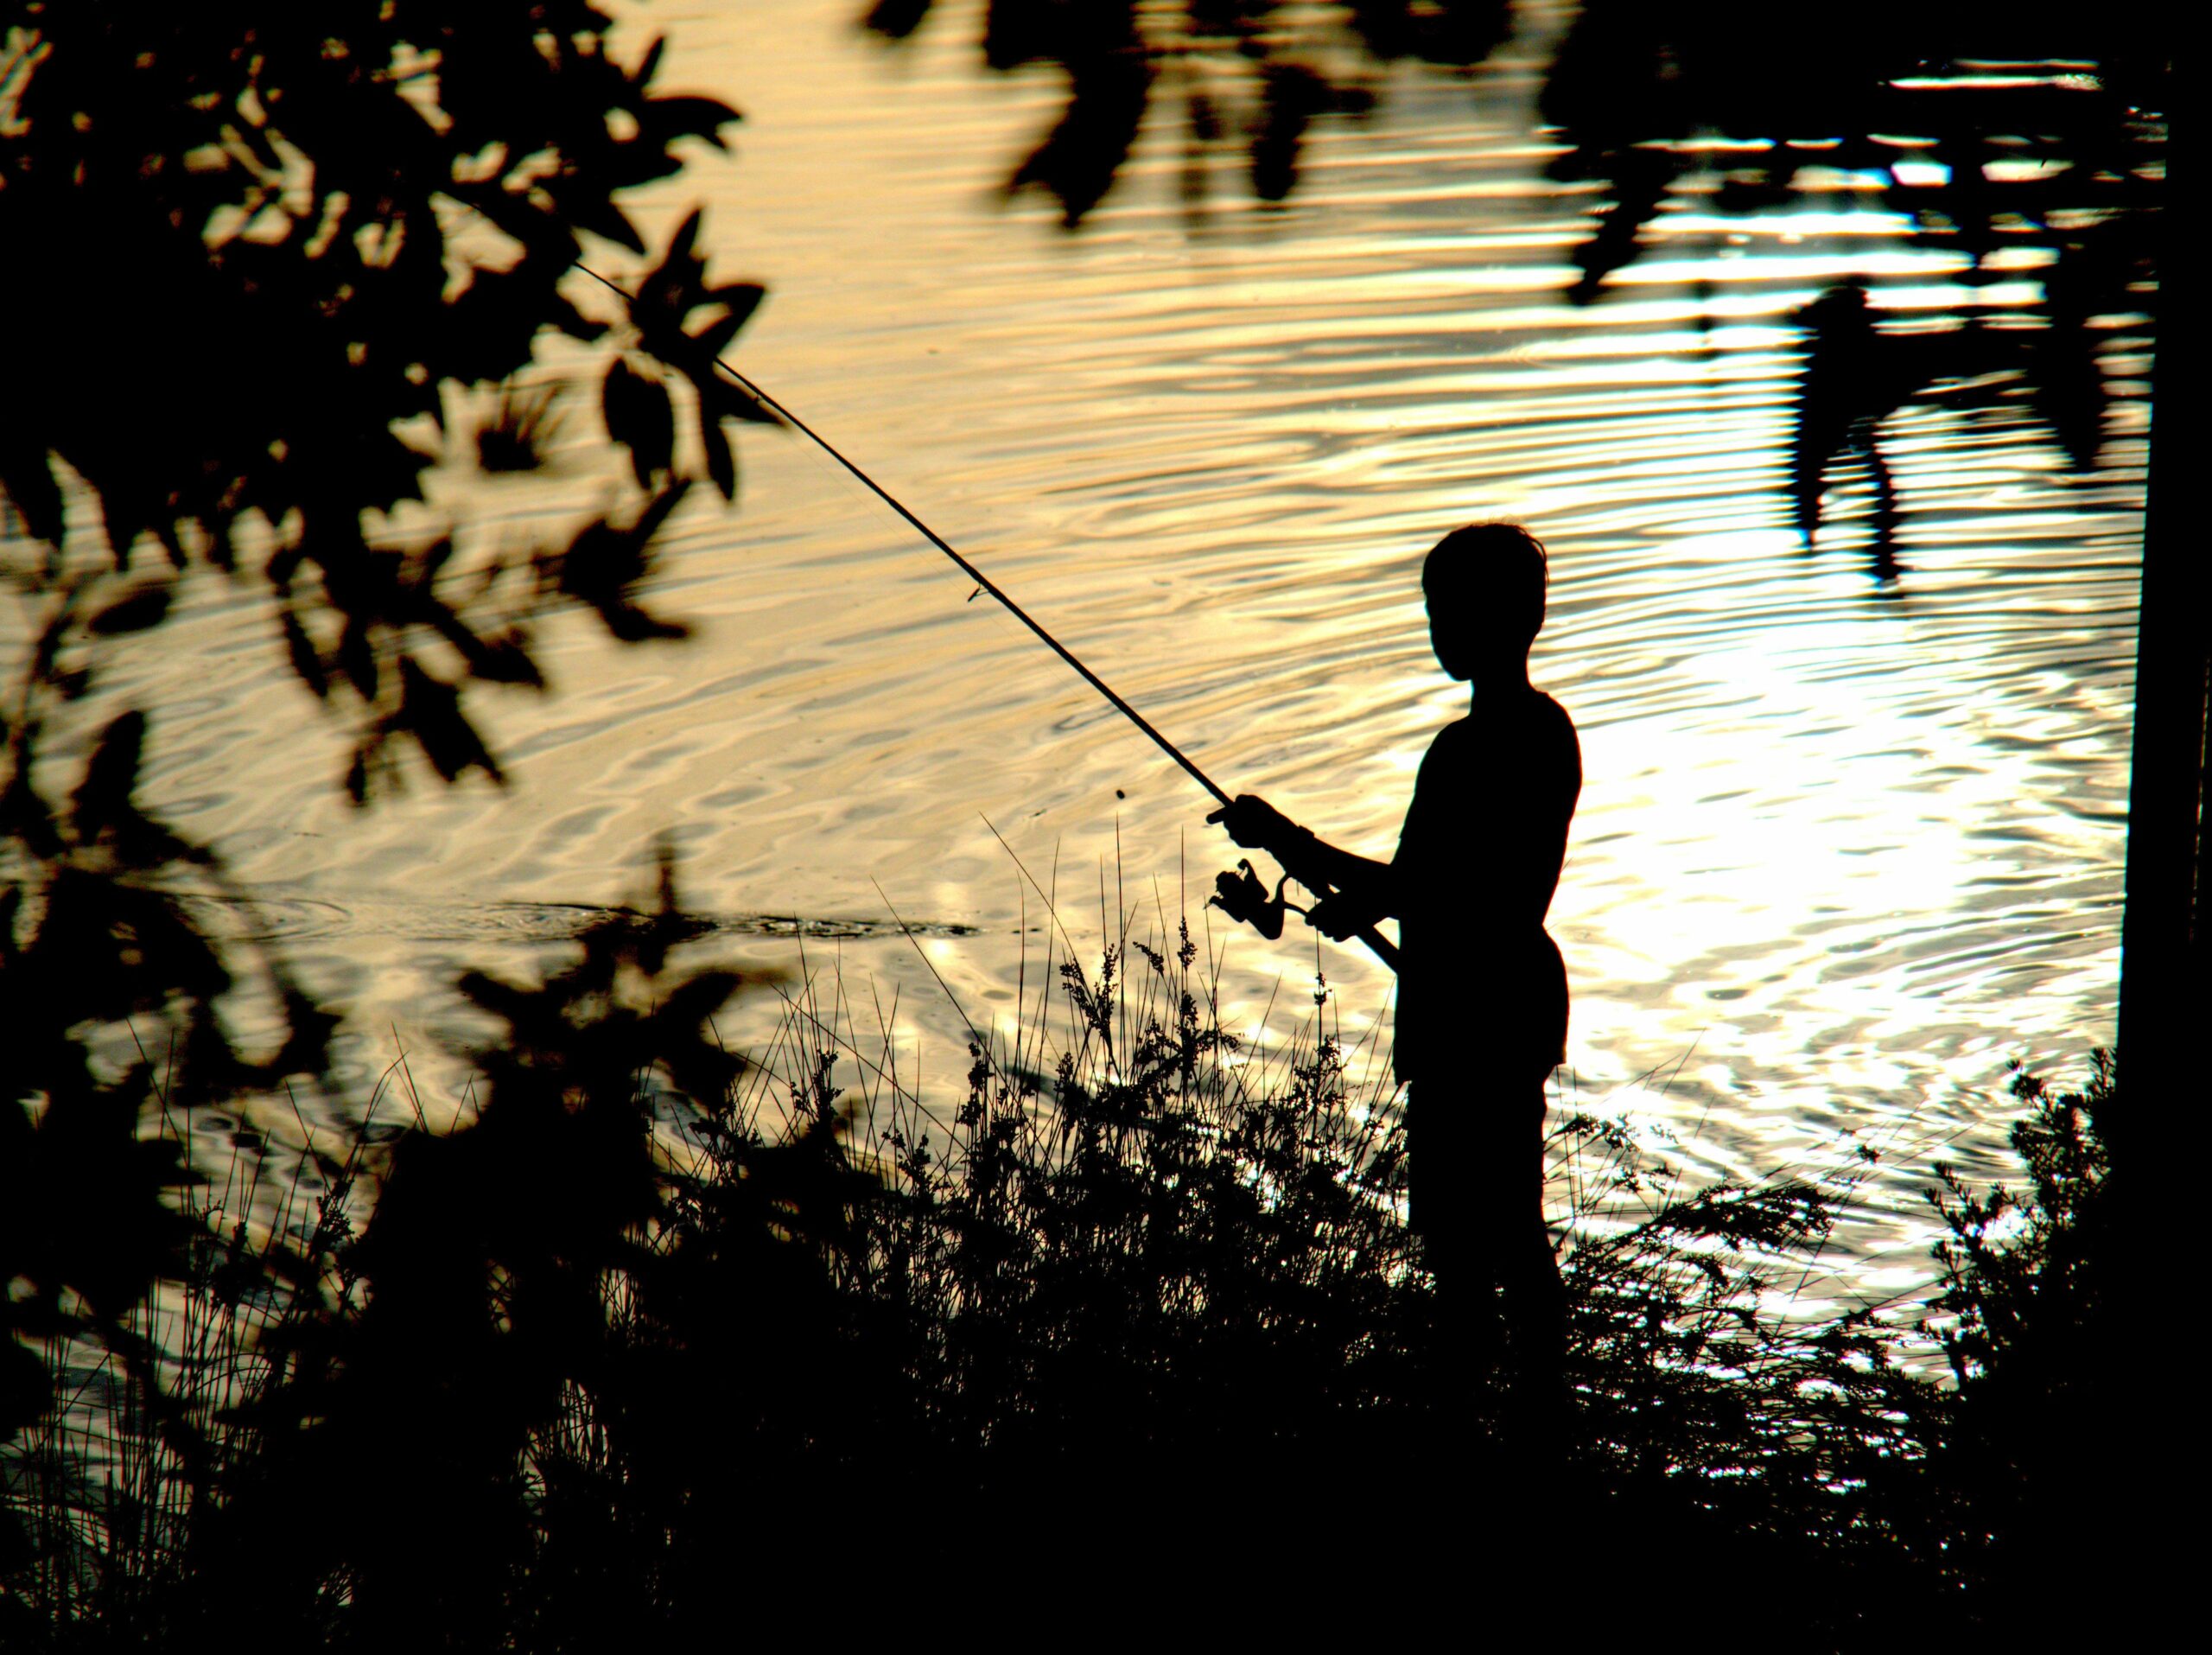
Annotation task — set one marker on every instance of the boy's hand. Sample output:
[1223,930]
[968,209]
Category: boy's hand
[1341,916]
[1257,824]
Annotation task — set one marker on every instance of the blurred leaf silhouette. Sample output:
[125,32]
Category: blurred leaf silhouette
[2028,137]
[2040,360]
[255,259]
[1245,70]
[96,936]
[264,254]
[515,439]
[2020,139]
[546,1297]
[1634,86]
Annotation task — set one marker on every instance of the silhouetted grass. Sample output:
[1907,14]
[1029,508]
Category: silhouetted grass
[105,1490]
[654,1340]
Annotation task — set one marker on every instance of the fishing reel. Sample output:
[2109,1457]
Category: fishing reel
[1244,896]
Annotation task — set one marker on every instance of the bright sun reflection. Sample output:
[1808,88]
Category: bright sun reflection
[1844,845]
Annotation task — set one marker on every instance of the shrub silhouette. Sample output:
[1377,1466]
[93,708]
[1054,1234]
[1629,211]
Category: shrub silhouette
[534,1382]
[256,259]
[2029,1316]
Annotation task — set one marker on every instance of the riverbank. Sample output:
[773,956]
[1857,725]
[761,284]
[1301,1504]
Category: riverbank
[1138,1305]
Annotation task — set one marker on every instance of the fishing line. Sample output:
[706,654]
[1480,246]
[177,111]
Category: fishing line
[967,568]
[1383,949]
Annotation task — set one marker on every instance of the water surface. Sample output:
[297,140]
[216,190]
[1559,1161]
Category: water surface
[1844,848]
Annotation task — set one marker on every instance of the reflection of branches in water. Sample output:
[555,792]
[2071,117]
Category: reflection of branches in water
[2015,143]
[1975,127]
[2044,358]
[2020,141]
[1249,73]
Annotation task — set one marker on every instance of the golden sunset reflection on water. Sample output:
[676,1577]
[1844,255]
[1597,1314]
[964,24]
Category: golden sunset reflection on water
[1842,849]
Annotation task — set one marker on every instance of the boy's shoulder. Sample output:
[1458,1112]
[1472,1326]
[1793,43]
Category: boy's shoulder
[1456,737]
[1536,730]
[1533,713]
[1548,715]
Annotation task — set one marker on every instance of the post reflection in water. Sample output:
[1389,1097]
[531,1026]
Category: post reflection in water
[1853,828]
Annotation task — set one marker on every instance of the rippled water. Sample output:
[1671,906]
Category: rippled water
[1842,849]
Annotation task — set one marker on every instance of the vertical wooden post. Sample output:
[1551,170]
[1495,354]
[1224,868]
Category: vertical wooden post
[2165,1005]
[2155,1226]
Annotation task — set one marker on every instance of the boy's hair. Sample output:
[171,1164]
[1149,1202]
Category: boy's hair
[1500,562]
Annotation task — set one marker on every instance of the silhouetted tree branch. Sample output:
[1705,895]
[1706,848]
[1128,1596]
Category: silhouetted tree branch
[256,257]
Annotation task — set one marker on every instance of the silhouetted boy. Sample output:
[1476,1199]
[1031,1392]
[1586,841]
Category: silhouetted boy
[1481,992]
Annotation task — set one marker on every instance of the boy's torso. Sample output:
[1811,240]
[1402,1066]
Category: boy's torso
[1478,860]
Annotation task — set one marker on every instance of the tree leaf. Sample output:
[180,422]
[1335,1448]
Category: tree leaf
[29,482]
[679,246]
[659,509]
[638,416]
[669,118]
[606,561]
[135,611]
[306,662]
[896,19]
[734,401]
[357,658]
[743,298]
[602,218]
[429,711]
[721,464]
[102,798]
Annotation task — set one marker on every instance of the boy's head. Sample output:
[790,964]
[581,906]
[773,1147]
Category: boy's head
[1484,584]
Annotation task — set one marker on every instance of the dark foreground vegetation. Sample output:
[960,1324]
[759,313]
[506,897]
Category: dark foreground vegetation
[652,1338]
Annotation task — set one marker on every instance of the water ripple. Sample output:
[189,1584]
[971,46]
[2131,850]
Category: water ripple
[1842,849]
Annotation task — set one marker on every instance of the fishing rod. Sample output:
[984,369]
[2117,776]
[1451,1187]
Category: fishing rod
[1241,899]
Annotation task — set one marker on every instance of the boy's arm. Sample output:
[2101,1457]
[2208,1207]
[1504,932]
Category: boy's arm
[1366,890]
